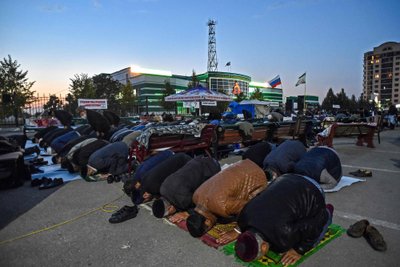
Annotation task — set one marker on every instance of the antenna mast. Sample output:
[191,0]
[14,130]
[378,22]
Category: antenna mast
[212,47]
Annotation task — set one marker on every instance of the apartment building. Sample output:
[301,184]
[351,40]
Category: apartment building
[382,74]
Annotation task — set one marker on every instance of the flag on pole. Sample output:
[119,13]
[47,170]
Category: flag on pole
[302,79]
[227,64]
[275,81]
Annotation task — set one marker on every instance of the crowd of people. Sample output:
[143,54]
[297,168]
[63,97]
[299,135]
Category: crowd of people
[275,193]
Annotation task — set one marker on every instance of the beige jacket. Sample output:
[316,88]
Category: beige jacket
[226,193]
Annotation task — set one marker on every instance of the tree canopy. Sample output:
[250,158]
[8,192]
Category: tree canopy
[15,85]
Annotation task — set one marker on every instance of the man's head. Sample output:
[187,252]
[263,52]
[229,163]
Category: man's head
[81,112]
[250,246]
[161,208]
[196,225]
[66,164]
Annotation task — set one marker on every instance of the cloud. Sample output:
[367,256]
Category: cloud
[56,8]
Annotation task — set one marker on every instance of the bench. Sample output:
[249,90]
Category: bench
[279,132]
[175,143]
[363,131]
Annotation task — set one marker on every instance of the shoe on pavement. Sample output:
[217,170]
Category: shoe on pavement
[374,238]
[123,214]
[358,229]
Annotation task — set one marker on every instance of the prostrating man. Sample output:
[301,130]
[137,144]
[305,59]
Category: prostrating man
[111,159]
[290,217]
[149,184]
[178,188]
[282,159]
[224,195]
[321,164]
[258,152]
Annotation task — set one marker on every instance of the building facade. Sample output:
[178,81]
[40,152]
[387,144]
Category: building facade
[149,86]
[381,81]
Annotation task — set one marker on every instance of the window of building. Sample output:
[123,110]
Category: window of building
[397,73]
[396,95]
[376,86]
[397,63]
[396,79]
[376,71]
[396,90]
[377,61]
[397,68]
[376,76]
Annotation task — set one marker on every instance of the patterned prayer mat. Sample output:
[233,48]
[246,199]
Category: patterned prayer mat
[272,259]
[210,238]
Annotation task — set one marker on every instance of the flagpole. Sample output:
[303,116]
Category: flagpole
[305,95]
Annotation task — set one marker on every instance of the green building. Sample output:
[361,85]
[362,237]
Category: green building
[149,86]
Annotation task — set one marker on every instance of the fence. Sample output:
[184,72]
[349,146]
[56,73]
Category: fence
[8,112]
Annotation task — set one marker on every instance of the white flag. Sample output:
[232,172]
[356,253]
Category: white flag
[302,79]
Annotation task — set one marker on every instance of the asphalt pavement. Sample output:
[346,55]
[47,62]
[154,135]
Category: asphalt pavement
[67,226]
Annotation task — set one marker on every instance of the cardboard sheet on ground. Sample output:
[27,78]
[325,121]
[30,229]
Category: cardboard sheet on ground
[272,259]
[345,181]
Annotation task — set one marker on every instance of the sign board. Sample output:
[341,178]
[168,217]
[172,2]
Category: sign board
[187,104]
[335,106]
[92,103]
[209,103]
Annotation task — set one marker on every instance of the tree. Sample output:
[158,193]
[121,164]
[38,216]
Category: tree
[72,104]
[257,94]
[14,83]
[329,100]
[82,86]
[343,100]
[240,97]
[128,99]
[53,103]
[169,90]
[107,88]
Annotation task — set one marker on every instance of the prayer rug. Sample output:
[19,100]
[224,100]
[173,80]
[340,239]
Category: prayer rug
[272,259]
[210,238]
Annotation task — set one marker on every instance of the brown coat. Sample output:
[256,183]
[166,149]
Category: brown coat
[226,193]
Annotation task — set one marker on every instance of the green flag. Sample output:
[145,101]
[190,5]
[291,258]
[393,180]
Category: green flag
[302,79]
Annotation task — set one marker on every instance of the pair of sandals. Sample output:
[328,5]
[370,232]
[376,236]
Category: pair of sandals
[124,214]
[371,234]
[361,173]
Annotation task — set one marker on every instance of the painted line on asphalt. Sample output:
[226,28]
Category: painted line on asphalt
[372,221]
[374,150]
[369,168]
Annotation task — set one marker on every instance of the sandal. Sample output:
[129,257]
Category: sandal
[123,214]
[361,173]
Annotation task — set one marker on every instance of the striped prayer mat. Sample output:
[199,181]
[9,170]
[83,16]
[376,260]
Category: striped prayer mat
[272,259]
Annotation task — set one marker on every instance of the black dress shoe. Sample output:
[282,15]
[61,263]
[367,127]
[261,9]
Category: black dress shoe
[125,213]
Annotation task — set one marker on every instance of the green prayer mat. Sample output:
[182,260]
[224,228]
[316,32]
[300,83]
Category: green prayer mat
[272,259]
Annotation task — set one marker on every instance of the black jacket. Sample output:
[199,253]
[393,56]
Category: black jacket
[98,122]
[257,153]
[112,158]
[285,156]
[154,178]
[44,131]
[178,188]
[290,213]
[81,156]
[316,160]
[67,147]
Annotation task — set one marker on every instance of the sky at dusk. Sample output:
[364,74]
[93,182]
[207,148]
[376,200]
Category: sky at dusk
[54,40]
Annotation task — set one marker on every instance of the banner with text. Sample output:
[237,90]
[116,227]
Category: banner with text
[92,103]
